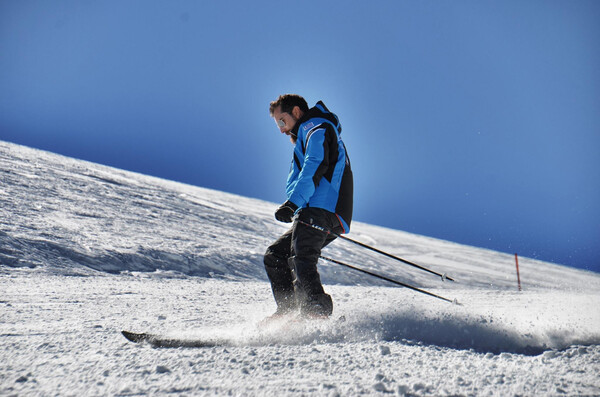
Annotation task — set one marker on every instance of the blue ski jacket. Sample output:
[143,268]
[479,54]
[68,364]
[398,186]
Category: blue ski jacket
[320,174]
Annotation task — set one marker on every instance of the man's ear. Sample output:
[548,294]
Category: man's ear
[296,112]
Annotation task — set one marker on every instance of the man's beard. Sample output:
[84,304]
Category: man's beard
[293,137]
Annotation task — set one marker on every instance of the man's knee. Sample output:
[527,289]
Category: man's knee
[275,258]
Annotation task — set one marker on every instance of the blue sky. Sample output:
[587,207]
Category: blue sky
[472,121]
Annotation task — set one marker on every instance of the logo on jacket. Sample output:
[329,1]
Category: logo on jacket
[308,126]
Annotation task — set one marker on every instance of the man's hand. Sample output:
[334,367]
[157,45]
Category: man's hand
[285,213]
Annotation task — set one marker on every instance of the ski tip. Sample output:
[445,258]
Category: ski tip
[134,337]
[128,335]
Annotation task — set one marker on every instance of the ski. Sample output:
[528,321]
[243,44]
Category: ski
[160,341]
[265,328]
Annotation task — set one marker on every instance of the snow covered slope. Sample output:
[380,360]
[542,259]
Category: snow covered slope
[87,250]
[71,216]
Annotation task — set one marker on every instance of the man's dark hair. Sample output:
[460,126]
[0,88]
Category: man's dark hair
[288,102]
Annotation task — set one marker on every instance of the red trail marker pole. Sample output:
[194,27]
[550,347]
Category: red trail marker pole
[518,277]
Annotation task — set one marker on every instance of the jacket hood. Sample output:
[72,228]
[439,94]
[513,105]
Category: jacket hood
[318,111]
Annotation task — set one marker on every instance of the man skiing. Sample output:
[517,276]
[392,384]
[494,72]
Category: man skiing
[320,193]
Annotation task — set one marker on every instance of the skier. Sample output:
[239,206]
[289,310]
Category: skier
[320,192]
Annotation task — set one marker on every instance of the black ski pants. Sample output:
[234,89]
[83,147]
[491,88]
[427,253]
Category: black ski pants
[291,261]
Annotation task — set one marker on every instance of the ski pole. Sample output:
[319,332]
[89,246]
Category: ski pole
[443,276]
[389,279]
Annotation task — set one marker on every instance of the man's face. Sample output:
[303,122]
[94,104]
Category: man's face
[285,122]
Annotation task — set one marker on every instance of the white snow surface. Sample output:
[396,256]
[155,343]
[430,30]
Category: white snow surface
[88,250]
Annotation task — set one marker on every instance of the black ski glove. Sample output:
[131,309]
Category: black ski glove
[285,213]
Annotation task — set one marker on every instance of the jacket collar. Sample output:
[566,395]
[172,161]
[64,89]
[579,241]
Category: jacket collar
[315,111]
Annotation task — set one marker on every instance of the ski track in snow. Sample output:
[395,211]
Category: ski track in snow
[88,250]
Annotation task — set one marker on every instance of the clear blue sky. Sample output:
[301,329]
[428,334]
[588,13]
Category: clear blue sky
[472,121]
